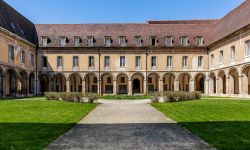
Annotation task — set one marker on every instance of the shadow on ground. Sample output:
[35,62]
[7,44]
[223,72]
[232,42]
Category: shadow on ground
[222,135]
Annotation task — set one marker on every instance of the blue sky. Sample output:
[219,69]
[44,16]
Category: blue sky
[117,11]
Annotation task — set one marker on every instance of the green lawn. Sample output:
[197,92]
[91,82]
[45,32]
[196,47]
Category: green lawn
[224,123]
[33,124]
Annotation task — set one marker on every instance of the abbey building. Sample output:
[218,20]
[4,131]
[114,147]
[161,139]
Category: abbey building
[211,56]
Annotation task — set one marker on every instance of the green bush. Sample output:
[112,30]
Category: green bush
[72,97]
[177,96]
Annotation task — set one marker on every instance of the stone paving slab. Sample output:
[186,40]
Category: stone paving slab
[128,125]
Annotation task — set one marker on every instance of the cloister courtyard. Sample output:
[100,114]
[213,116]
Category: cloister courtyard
[212,122]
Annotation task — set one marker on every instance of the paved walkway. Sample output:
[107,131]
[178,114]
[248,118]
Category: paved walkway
[129,125]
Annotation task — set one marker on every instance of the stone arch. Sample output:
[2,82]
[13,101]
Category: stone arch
[168,81]
[60,82]
[22,83]
[44,83]
[200,82]
[222,82]
[246,79]
[75,82]
[11,83]
[32,83]
[107,83]
[153,82]
[184,81]
[234,81]
[137,83]
[122,81]
[212,81]
[1,82]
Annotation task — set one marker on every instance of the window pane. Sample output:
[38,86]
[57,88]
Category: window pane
[138,61]
[153,61]
[169,61]
[106,61]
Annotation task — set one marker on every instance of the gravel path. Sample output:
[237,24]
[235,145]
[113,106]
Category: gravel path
[118,125]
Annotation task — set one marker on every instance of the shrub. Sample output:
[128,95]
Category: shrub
[155,96]
[51,96]
[176,96]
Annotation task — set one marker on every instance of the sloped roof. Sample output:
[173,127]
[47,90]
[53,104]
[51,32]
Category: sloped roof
[14,22]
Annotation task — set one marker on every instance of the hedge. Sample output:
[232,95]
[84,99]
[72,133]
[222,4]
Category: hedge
[175,96]
[72,97]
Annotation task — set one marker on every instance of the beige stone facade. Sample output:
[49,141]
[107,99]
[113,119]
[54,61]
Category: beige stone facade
[211,56]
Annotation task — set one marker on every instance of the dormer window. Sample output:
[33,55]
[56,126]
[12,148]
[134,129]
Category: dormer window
[90,41]
[153,41]
[199,41]
[12,25]
[122,40]
[184,41]
[44,41]
[76,41]
[107,41]
[137,41]
[168,40]
[63,41]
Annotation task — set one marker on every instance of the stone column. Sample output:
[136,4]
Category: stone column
[145,86]
[4,88]
[241,85]
[161,85]
[27,87]
[114,87]
[98,87]
[245,85]
[176,85]
[228,85]
[68,85]
[83,86]
[191,85]
[206,86]
[130,88]
[218,85]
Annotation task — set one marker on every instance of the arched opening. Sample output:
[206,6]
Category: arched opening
[91,83]
[60,83]
[234,81]
[246,80]
[75,83]
[212,82]
[222,78]
[153,82]
[137,83]
[184,80]
[32,83]
[22,83]
[200,83]
[107,84]
[122,84]
[44,83]
[168,82]
[1,82]
[11,83]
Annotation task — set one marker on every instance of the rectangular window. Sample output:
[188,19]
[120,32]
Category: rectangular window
[106,61]
[200,61]
[11,53]
[122,41]
[122,61]
[184,61]
[32,62]
[168,41]
[44,41]
[107,41]
[199,41]
[137,41]
[108,79]
[44,62]
[233,53]
[76,41]
[91,61]
[59,61]
[153,61]
[95,80]
[184,41]
[75,61]
[137,61]
[23,57]
[169,61]
[212,60]
[63,41]
[247,48]
[153,41]
[90,41]
[221,56]
[122,79]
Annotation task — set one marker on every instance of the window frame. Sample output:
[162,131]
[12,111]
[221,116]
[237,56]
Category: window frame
[184,40]
[247,48]
[138,39]
[105,63]
[44,41]
[90,41]
[170,66]
[200,61]
[136,63]
[110,41]
[63,41]
[122,62]
[73,64]
[76,38]
[121,38]
[59,64]
[151,40]
[23,57]
[169,41]
[221,56]
[185,61]
[91,64]
[44,62]
[11,53]
[153,64]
